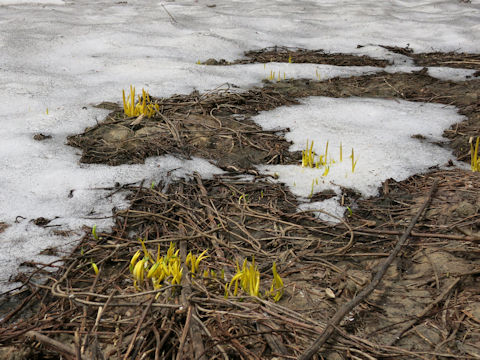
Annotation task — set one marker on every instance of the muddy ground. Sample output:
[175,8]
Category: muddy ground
[426,307]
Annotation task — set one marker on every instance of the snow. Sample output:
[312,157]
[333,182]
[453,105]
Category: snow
[65,56]
[379,131]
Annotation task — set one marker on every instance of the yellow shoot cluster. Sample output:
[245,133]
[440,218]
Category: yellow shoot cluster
[308,157]
[166,268]
[248,279]
[474,163]
[194,260]
[311,160]
[143,106]
[274,76]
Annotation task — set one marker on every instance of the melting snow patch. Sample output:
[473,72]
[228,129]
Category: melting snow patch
[453,74]
[391,139]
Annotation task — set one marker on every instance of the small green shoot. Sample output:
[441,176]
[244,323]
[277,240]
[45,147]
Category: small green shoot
[152,185]
[289,59]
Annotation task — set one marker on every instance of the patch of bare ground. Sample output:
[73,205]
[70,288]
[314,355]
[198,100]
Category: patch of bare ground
[301,56]
[202,125]
[448,59]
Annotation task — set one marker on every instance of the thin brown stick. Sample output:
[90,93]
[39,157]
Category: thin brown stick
[345,309]
[139,325]
[186,329]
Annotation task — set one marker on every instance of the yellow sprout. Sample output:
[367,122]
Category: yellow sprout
[354,162]
[474,163]
[95,268]
[310,159]
[176,271]
[248,277]
[308,156]
[134,260]
[94,232]
[325,172]
[139,272]
[194,261]
[145,251]
[144,106]
[171,253]
[277,284]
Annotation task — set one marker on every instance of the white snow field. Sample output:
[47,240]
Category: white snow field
[58,58]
